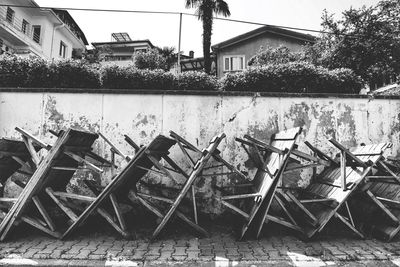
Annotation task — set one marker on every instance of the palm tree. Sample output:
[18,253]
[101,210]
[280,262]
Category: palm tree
[205,9]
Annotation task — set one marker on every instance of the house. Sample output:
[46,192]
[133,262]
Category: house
[48,33]
[233,55]
[121,49]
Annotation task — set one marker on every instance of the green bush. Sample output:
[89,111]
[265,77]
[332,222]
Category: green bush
[133,78]
[150,59]
[74,74]
[293,77]
[196,80]
[277,55]
[39,73]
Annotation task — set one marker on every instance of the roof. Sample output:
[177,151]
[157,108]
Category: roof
[67,19]
[124,42]
[259,31]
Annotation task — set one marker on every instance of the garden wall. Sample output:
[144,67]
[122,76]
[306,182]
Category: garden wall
[352,120]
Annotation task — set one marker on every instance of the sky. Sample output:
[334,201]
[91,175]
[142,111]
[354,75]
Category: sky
[163,30]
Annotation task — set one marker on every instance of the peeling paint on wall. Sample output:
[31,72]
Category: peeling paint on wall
[198,118]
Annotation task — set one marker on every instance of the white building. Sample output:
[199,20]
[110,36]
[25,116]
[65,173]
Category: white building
[49,33]
[121,49]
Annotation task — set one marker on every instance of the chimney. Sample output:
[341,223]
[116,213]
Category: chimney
[191,54]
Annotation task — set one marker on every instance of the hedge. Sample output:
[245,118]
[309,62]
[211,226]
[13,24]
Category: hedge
[288,77]
[36,72]
[293,77]
[131,78]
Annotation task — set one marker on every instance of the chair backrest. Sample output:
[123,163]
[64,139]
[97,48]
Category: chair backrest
[284,141]
[78,142]
[136,168]
[10,148]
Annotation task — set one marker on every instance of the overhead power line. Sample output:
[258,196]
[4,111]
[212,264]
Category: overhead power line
[166,13]
[179,13]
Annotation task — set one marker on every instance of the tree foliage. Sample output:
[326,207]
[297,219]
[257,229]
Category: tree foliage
[277,55]
[169,54]
[205,9]
[366,40]
[150,59]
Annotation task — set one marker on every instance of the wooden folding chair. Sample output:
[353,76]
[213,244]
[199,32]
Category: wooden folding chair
[378,203]
[108,200]
[70,152]
[271,160]
[196,171]
[15,157]
[328,193]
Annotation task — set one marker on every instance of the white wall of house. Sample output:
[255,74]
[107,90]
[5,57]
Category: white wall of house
[52,33]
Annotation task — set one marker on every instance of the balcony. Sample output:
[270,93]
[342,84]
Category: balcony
[17,30]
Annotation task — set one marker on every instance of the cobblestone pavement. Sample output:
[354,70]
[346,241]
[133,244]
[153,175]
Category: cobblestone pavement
[220,249]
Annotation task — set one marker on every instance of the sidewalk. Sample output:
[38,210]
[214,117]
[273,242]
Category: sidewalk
[182,249]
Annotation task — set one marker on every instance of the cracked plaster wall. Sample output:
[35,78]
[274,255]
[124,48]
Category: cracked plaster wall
[351,121]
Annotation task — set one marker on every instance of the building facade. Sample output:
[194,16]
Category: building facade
[48,33]
[121,49]
[233,55]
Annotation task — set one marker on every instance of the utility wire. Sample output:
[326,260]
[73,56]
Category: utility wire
[164,12]
[178,13]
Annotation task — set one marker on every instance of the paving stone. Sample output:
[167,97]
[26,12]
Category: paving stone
[68,256]
[165,255]
[83,254]
[247,256]
[41,256]
[151,257]
[29,254]
[97,257]
[153,251]
[232,251]
[178,258]
[138,254]
[179,251]
[206,252]
[192,255]
[258,251]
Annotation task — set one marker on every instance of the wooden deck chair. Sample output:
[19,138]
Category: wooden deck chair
[49,181]
[272,159]
[15,157]
[379,203]
[328,193]
[196,171]
[108,199]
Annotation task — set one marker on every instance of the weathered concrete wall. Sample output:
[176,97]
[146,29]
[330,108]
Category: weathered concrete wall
[351,121]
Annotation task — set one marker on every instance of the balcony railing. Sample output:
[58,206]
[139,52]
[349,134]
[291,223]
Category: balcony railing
[20,25]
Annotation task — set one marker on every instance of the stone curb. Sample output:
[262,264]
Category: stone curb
[93,263]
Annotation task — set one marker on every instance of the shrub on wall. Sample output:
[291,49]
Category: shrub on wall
[150,59]
[74,74]
[133,78]
[196,80]
[293,77]
[37,72]
[287,77]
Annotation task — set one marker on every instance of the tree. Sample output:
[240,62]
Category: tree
[97,55]
[205,9]
[366,40]
[169,54]
[150,59]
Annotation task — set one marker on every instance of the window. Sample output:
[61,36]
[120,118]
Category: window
[1,46]
[10,15]
[63,49]
[24,26]
[233,63]
[36,33]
